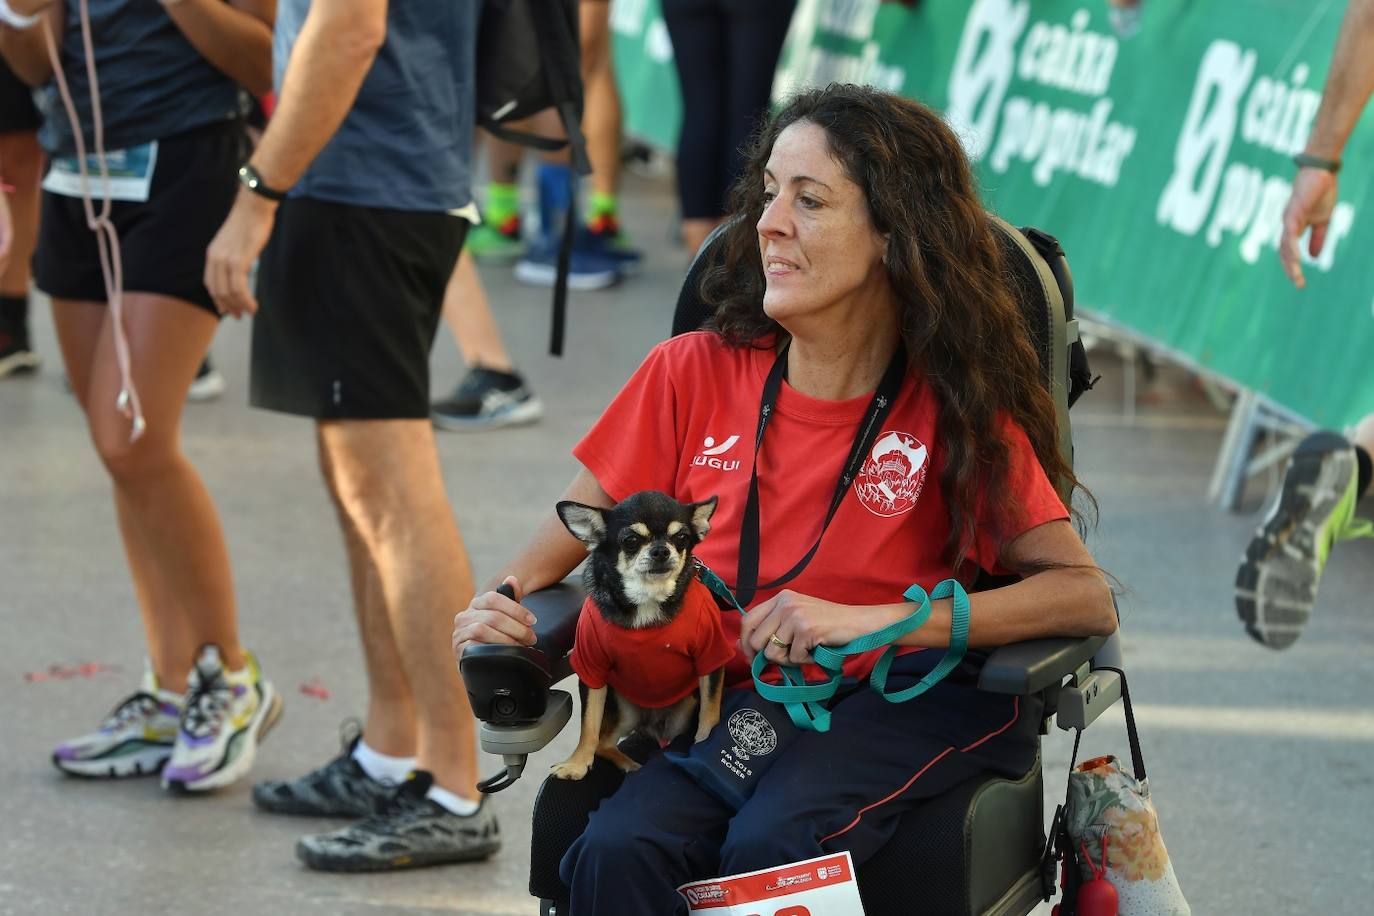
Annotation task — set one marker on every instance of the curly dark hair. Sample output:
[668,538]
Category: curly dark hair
[963,330]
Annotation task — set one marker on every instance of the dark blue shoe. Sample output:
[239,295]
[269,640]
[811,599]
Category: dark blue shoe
[588,269]
[604,235]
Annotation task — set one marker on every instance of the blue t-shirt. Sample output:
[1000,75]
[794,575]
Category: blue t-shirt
[153,83]
[407,142]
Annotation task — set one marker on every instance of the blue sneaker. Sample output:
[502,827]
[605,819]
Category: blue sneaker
[587,269]
[604,235]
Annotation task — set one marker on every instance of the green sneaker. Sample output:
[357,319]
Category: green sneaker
[496,242]
[1276,585]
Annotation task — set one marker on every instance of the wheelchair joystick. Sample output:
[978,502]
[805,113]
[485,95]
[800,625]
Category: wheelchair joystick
[509,690]
[515,765]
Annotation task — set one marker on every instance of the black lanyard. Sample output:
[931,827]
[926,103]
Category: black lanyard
[747,577]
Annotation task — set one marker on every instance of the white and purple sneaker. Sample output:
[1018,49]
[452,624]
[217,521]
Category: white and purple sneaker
[226,714]
[135,740]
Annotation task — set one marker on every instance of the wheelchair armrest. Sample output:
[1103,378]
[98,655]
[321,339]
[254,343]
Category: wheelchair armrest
[555,609]
[1029,667]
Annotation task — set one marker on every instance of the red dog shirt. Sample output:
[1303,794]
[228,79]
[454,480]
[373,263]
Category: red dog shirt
[657,666]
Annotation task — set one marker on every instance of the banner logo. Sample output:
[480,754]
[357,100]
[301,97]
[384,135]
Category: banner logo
[1073,58]
[1273,114]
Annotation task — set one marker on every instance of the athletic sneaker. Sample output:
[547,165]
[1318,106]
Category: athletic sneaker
[136,739]
[497,242]
[226,714]
[340,788]
[1276,585]
[487,399]
[605,236]
[15,355]
[588,268]
[208,383]
[412,831]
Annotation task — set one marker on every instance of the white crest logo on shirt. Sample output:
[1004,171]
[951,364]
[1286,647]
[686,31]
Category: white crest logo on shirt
[892,477]
[711,452]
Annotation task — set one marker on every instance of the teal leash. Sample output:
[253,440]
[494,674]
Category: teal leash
[804,701]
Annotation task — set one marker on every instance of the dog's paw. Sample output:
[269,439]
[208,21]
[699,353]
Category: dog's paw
[627,765]
[569,769]
[704,731]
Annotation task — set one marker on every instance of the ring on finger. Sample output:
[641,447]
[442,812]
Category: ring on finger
[784,646]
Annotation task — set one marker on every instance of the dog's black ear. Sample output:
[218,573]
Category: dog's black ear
[701,516]
[587,523]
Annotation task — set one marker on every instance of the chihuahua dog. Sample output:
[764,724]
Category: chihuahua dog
[649,640]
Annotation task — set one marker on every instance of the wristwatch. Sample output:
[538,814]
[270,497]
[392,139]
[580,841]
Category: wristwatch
[1308,161]
[250,179]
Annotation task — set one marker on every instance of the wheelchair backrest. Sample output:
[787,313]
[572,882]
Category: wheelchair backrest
[1038,273]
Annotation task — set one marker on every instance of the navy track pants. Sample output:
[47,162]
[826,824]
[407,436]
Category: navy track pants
[844,789]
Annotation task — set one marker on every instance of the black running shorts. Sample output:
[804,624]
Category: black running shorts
[349,301]
[162,240]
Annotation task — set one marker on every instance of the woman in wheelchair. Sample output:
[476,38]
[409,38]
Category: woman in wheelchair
[865,357]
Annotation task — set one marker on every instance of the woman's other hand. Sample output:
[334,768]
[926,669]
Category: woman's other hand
[493,619]
[801,623]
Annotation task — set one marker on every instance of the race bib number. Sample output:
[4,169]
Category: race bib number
[131,174]
[817,887]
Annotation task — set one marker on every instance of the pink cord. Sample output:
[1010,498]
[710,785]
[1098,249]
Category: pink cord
[107,239]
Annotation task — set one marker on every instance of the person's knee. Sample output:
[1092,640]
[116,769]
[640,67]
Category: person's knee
[609,844]
[132,461]
[754,842]
[377,473]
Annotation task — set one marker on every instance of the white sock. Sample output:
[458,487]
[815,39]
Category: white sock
[243,675]
[457,804]
[382,767]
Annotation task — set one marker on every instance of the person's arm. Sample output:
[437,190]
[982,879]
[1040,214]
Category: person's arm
[1070,601]
[233,35]
[6,230]
[1349,84]
[25,50]
[547,559]
[336,47]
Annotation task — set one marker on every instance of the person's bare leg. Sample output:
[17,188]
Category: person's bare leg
[468,314]
[80,326]
[22,160]
[163,503]
[601,116]
[503,159]
[694,233]
[390,725]
[387,478]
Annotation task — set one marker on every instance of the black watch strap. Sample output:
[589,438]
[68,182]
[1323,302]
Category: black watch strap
[250,179]
[1308,161]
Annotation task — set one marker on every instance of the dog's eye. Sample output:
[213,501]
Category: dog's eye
[682,540]
[630,542]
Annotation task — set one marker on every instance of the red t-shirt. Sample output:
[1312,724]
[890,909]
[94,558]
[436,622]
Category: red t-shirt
[685,424]
[656,666]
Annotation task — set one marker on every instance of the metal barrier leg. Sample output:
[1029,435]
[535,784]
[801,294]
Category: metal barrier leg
[1228,474]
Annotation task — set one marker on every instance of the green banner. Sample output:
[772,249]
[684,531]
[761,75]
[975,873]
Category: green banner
[1160,160]
[651,103]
